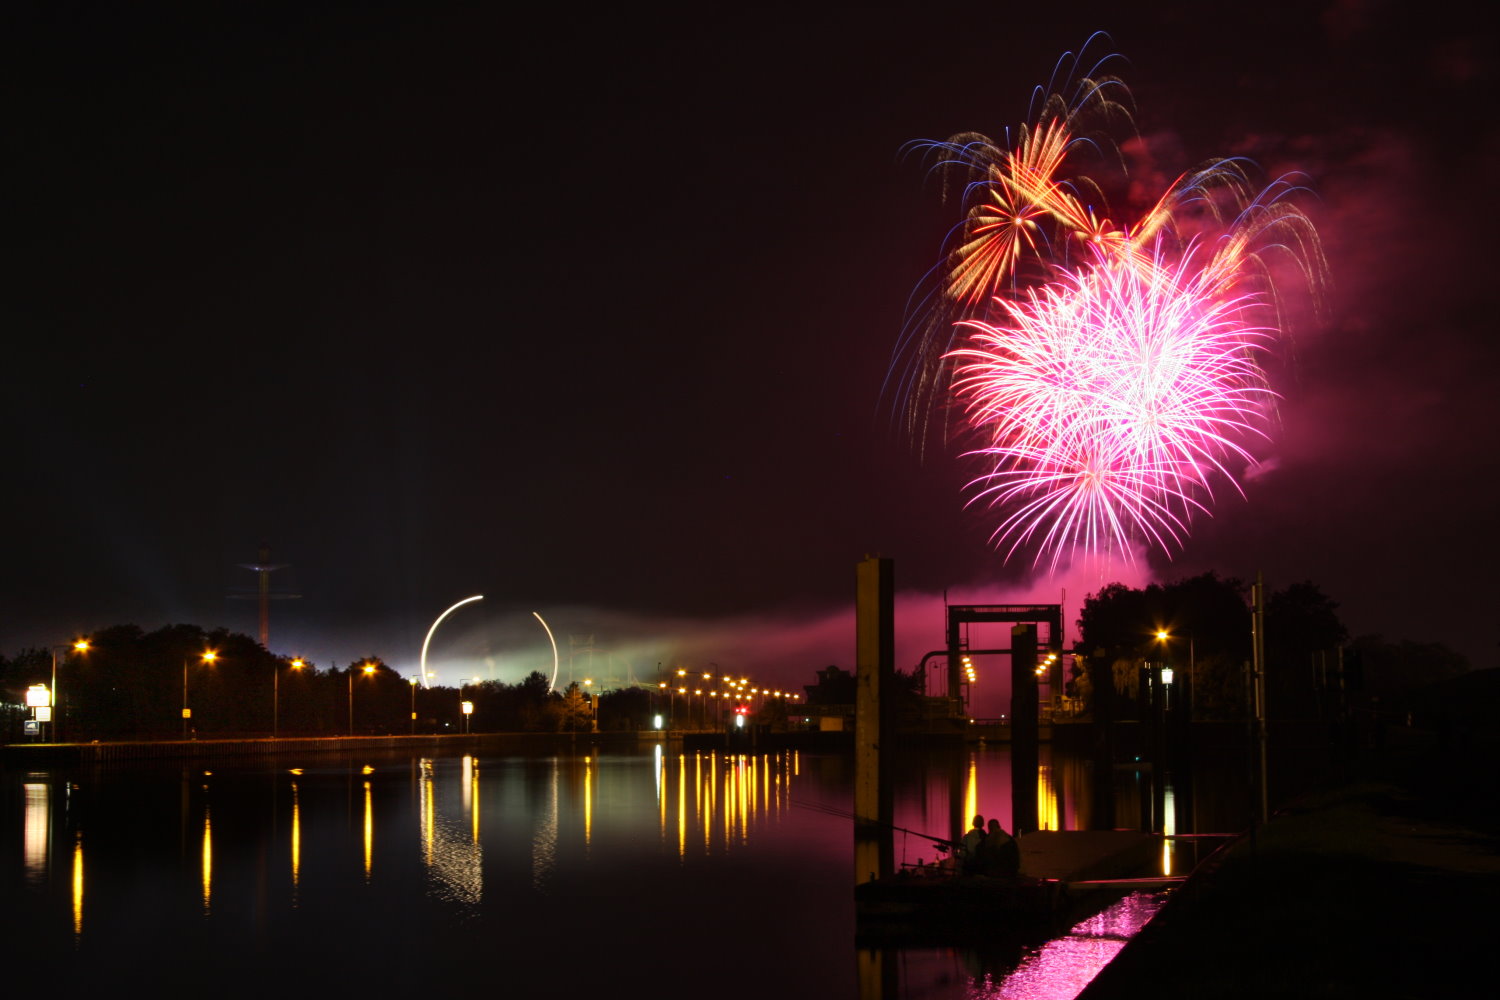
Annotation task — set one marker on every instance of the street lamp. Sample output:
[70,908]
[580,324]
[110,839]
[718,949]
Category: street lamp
[1162,635]
[414,681]
[368,668]
[296,664]
[208,657]
[588,682]
[77,646]
[466,707]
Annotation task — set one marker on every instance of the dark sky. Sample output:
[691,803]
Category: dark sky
[590,313]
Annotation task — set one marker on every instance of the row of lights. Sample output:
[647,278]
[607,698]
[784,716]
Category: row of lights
[738,687]
[1046,664]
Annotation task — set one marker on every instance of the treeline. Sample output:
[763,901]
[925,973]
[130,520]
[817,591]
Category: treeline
[131,684]
[1201,627]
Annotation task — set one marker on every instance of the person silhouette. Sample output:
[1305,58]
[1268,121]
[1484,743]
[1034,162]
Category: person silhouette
[970,847]
[999,854]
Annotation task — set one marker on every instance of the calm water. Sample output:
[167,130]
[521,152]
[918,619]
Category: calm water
[650,873]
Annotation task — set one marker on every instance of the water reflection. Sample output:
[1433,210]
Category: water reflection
[1062,967]
[451,848]
[654,858]
[296,839]
[369,831]
[544,840]
[206,853]
[78,884]
[36,829]
[1058,969]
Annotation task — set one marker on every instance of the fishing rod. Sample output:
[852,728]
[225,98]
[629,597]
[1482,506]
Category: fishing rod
[943,842]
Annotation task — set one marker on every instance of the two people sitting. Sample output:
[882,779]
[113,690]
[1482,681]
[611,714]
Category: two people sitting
[990,850]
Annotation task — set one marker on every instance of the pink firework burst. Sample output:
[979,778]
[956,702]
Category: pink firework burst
[1108,401]
[1109,371]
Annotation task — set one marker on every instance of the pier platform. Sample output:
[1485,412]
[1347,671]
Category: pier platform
[1065,875]
[1081,856]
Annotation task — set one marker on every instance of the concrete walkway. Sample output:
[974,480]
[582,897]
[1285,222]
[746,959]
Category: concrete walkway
[1387,885]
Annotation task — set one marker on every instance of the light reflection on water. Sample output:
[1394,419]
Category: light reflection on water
[1058,969]
[1061,968]
[656,859]
[452,850]
[36,830]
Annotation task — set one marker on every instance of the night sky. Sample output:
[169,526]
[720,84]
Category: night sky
[590,313]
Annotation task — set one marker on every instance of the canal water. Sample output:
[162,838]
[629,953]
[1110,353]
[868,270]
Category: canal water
[648,873]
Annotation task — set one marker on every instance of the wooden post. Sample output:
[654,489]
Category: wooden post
[1025,730]
[1102,678]
[1262,717]
[874,718]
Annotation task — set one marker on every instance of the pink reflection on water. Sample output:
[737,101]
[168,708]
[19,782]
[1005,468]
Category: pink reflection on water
[1061,968]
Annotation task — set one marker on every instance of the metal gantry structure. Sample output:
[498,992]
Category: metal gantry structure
[263,568]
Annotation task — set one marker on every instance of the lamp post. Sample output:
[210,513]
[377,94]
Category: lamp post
[710,675]
[1162,635]
[296,664]
[208,657]
[588,682]
[368,668]
[465,707]
[77,646]
[414,681]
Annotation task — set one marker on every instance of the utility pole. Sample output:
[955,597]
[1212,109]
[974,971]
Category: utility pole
[1258,688]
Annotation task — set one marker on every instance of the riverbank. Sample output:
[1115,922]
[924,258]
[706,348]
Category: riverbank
[40,754]
[1382,885]
[744,741]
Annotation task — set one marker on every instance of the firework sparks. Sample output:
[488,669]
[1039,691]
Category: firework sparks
[1109,372]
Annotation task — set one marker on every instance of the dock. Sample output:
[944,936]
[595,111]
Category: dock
[1065,876]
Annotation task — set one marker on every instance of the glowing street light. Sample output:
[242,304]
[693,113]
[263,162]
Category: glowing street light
[368,668]
[465,707]
[54,704]
[296,664]
[414,681]
[1163,637]
[207,657]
